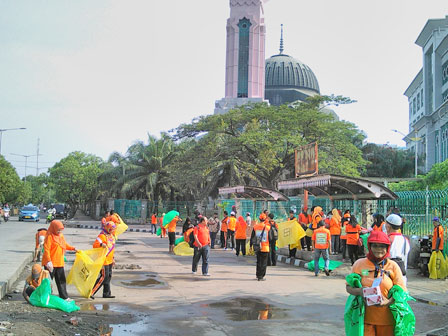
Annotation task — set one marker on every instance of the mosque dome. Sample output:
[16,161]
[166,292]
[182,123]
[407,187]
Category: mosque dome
[283,71]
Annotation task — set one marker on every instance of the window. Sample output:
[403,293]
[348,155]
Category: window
[445,72]
[243,58]
[411,111]
[421,97]
[414,105]
[418,101]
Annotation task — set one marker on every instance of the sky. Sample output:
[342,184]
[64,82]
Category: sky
[96,76]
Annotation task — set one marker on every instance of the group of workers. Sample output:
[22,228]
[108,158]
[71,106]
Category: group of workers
[51,245]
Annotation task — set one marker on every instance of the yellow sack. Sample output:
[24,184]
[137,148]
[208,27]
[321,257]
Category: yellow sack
[290,233]
[437,266]
[85,270]
[309,232]
[121,227]
[183,249]
[249,250]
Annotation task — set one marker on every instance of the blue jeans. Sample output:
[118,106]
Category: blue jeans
[325,255]
[213,238]
[153,228]
[203,252]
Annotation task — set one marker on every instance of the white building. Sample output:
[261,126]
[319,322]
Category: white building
[428,96]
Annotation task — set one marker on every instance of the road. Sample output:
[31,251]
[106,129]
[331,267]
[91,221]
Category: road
[157,294]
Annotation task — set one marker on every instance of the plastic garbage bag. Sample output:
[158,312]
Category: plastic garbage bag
[437,266]
[333,264]
[401,311]
[85,270]
[183,249]
[354,308]
[179,240]
[121,227]
[159,231]
[169,216]
[42,297]
[249,250]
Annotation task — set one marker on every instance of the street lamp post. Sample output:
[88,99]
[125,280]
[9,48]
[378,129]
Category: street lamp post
[416,140]
[4,130]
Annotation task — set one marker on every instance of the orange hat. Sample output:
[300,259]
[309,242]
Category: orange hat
[262,216]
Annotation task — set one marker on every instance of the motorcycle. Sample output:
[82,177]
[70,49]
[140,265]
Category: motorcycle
[6,215]
[425,254]
[50,217]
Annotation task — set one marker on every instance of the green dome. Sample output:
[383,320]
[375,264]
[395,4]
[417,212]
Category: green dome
[283,71]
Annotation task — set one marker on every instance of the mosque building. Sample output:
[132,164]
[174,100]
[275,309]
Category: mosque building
[250,78]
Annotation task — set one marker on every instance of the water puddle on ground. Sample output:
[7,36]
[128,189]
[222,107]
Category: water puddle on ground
[92,307]
[247,309]
[146,281]
[136,328]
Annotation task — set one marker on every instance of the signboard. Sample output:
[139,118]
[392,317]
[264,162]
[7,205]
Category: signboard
[306,160]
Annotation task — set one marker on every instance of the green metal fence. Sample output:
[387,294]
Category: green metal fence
[128,209]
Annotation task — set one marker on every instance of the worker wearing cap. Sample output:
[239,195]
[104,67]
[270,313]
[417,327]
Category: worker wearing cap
[400,246]
[437,237]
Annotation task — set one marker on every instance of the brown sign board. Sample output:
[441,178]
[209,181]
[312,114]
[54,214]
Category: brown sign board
[306,160]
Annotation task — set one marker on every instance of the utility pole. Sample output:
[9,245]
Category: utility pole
[26,160]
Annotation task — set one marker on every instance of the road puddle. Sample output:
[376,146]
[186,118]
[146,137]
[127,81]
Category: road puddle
[247,309]
[139,327]
[92,307]
[146,281]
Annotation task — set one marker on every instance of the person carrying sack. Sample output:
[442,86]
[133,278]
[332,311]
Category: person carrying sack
[260,243]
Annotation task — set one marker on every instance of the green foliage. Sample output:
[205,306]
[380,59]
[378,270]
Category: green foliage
[255,144]
[41,193]
[10,184]
[75,179]
[385,161]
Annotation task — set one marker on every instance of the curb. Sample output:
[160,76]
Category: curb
[5,286]
[292,261]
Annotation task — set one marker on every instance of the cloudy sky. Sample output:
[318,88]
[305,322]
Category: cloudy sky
[96,76]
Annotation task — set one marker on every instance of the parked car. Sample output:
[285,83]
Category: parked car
[29,213]
[61,211]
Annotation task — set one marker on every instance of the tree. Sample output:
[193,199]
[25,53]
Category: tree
[255,144]
[75,179]
[386,161]
[40,191]
[10,183]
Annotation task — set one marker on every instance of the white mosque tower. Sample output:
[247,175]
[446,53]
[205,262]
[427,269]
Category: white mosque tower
[245,55]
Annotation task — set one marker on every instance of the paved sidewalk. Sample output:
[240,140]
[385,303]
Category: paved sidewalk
[17,242]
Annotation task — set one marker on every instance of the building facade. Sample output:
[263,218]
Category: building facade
[428,97]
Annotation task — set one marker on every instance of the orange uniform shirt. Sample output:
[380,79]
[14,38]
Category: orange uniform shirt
[240,232]
[379,228]
[153,219]
[438,232]
[224,224]
[203,235]
[110,242]
[232,223]
[352,234]
[321,238]
[54,252]
[172,224]
[335,227]
[316,219]
[379,315]
[258,228]
[304,218]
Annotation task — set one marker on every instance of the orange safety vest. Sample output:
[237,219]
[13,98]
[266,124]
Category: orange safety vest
[224,224]
[153,219]
[232,224]
[352,234]
[109,240]
[379,228]
[258,228]
[321,237]
[240,232]
[335,227]
[438,233]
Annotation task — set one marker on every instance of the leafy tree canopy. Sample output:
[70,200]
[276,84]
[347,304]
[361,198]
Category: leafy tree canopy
[10,183]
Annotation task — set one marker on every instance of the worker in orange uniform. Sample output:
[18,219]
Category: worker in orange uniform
[40,239]
[201,246]
[273,237]
[240,236]
[304,221]
[105,239]
[153,223]
[260,243]
[378,223]
[113,217]
[344,222]
[231,226]
[378,319]
[163,233]
[34,281]
[316,217]
[352,230]
[224,230]
[335,231]
[172,233]
[104,219]
[437,237]
[53,258]
[321,245]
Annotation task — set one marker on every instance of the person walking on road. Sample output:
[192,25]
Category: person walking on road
[53,258]
[106,239]
[224,230]
[201,246]
[273,237]
[260,243]
[437,237]
[321,245]
[240,235]
[213,227]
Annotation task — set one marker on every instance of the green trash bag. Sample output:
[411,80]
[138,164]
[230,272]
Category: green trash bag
[333,264]
[354,308]
[179,240]
[401,311]
[42,297]
[159,231]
